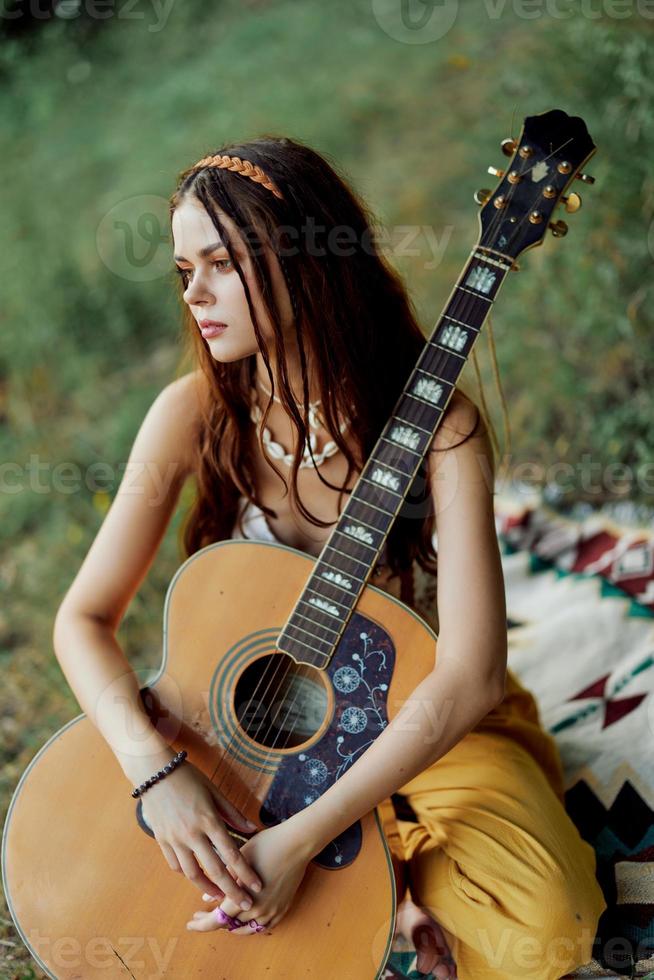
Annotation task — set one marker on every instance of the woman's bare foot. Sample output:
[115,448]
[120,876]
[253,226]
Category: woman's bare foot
[420,929]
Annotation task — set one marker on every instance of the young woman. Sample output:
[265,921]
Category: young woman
[302,337]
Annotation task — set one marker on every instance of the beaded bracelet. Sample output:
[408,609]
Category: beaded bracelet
[179,758]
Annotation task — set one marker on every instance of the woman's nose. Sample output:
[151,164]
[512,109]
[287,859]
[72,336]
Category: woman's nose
[196,290]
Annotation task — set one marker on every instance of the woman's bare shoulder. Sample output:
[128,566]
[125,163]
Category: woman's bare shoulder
[130,534]
[192,387]
[182,404]
[459,420]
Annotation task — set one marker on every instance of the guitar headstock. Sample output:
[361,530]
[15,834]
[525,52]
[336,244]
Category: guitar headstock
[545,160]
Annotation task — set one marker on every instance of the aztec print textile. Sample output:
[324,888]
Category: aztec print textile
[580,608]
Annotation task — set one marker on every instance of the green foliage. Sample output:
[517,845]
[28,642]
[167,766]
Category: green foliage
[584,314]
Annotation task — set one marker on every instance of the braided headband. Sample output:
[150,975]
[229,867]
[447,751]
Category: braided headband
[239,166]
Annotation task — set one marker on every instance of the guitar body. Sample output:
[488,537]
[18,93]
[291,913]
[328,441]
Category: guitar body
[86,882]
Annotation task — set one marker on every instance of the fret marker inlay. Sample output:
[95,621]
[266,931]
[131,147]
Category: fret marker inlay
[404,436]
[481,279]
[337,578]
[385,478]
[454,337]
[326,606]
[428,389]
[359,532]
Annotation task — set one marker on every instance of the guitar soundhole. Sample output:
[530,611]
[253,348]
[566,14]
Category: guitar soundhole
[280,703]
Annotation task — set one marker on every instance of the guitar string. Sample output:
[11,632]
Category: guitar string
[466,306]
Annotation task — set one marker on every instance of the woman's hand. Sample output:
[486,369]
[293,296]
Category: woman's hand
[184,811]
[275,854]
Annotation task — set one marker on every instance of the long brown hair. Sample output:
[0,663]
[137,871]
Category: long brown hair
[352,316]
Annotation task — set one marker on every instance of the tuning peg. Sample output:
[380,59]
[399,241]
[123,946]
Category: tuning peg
[495,172]
[482,195]
[508,147]
[586,178]
[559,228]
[572,202]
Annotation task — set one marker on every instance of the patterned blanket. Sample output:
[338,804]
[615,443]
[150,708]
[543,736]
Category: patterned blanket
[580,606]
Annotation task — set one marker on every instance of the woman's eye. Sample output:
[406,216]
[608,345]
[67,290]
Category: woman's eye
[186,274]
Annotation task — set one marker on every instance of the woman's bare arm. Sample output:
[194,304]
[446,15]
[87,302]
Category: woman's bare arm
[470,585]
[85,644]
[181,810]
[468,679]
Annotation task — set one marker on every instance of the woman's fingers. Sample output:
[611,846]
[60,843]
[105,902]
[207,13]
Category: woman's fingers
[248,930]
[170,856]
[203,922]
[191,869]
[196,874]
[234,860]
[218,863]
[207,921]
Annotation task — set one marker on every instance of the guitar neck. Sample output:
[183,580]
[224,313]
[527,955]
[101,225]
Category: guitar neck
[545,160]
[348,557]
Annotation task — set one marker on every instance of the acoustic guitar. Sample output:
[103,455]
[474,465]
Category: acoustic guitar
[324,657]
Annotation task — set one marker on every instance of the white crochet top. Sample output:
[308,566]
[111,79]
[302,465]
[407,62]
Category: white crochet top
[416,588]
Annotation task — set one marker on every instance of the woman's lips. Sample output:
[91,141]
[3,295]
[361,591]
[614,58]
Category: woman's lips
[213,329]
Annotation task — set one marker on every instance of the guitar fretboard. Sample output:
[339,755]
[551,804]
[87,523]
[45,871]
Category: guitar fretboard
[349,555]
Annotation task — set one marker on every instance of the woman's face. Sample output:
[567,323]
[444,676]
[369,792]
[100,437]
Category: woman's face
[213,289]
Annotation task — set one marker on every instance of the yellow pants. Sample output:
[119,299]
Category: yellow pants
[494,856]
